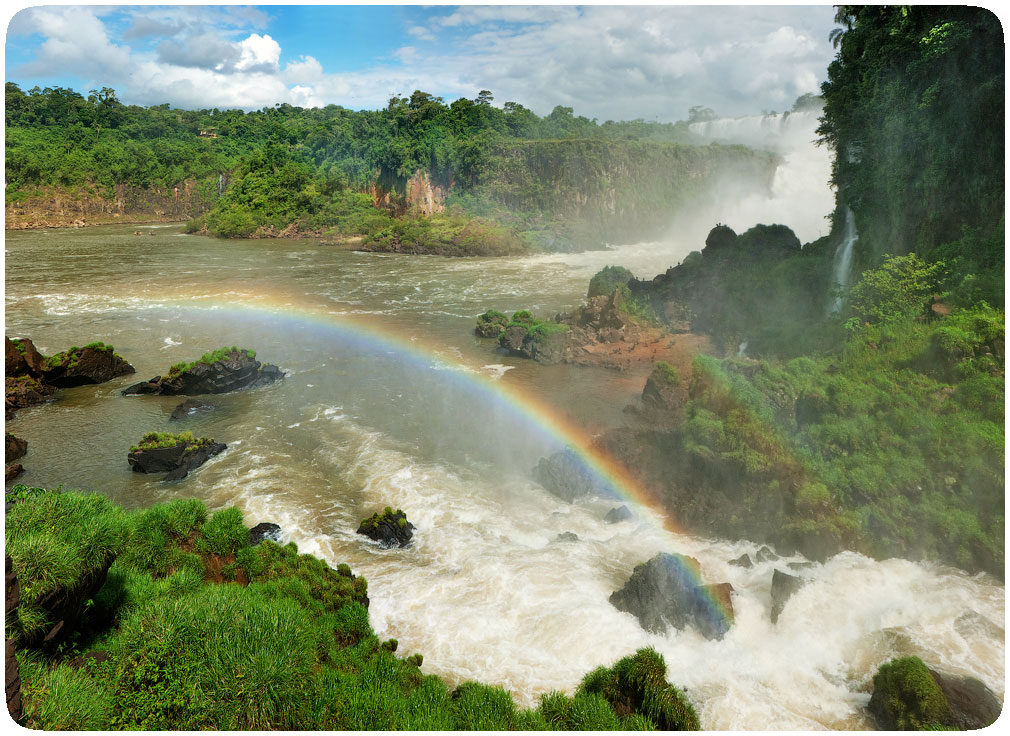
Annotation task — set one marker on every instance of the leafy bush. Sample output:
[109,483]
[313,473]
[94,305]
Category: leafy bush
[606,281]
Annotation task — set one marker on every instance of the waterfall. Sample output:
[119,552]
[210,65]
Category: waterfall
[843,258]
[801,195]
[220,184]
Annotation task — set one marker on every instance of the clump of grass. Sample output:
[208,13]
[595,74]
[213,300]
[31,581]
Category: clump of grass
[666,373]
[163,440]
[210,359]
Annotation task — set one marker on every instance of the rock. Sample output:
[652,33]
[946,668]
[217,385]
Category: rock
[92,364]
[620,513]
[665,591]
[973,705]
[15,448]
[12,679]
[177,460]
[567,537]
[65,607]
[190,406]
[801,565]
[742,561]
[264,530]
[566,476]
[12,471]
[512,339]
[390,528]
[23,391]
[783,586]
[227,370]
[491,324]
[663,389]
[765,554]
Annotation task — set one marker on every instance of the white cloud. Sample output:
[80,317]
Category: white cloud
[259,54]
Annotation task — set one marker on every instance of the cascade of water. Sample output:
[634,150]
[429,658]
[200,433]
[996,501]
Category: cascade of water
[843,258]
[220,184]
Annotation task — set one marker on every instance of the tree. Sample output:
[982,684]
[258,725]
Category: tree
[700,114]
[897,289]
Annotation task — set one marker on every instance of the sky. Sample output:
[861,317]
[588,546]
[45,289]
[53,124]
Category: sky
[615,62]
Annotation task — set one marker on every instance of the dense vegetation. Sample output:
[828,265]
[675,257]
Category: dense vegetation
[513,180]
[195,629]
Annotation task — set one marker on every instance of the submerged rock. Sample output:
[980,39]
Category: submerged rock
[264,530]
[620,513]
[666,591]
[172,454]
[567,537]
[14,448]
[215,373]
[566,476]
[742,561]
[390,528]
[783,586]
[94,363]
[190,406]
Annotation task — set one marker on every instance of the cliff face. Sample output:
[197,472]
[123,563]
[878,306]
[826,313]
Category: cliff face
[72,207]
[420,194]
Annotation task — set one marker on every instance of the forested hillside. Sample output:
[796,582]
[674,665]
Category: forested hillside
[541,182]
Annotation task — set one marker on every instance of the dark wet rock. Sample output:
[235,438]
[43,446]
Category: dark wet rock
[188,407]
[567,537]
[512,339]
[234,371]
[973,705]
[390,528]
[783,586]
[92,364]
[12,679]
[801,565]
[620,513]
[15,448]
[24,391]
[12,471]
[765,554]
[176,460]
[664,389]
[566,476]
[742,561]
[491,324]
[665,591]
[909,695]
[264,530]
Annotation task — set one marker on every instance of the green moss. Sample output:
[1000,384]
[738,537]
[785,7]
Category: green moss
[161,440]
[18,345]
[210,359]
[907,698]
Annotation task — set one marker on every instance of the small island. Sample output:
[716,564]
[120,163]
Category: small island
[223,370]
[176,454]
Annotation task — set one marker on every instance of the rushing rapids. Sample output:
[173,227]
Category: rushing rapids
[391,401]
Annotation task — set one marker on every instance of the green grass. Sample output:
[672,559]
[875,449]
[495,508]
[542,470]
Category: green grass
[666,373]
[163,440]
[209,359]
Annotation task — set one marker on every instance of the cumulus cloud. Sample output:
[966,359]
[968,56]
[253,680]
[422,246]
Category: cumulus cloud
[607,62]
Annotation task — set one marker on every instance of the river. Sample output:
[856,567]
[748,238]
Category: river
[390,399]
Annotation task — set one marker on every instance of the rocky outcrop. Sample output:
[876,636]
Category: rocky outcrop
[12,673]
[390,528]
[95,363]
[783,586]
[566,476]
[31,377]
[177,459]
[909,696]
[664,388]
[221,372]
[188,407]
[264,530]
[619,513]
[666,591]
[15,449]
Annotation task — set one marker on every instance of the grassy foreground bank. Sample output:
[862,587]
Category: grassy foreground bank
[192,628]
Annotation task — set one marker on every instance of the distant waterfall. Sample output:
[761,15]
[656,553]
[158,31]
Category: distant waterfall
[801,195]
[841,273]
[221,182]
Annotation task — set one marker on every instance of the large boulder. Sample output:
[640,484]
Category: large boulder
[909,696]
[264,530]
[227,369]
[567,476]
[664,388]
[667,591]
[15,448]
[173,454]
[783,586]
[22,358]
[94,363]
[22,391]
[390,528]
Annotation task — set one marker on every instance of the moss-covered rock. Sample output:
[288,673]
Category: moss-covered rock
[491,324]
[606,281]
[907,698]
[389,528]
[176,454]
[94,363]
[217,372]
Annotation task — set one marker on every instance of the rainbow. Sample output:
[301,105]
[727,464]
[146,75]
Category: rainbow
[609,475]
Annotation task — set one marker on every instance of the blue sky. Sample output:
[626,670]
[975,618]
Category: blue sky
[607,62]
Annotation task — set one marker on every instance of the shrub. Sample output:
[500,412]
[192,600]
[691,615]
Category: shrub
[605,282]
[224,533]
